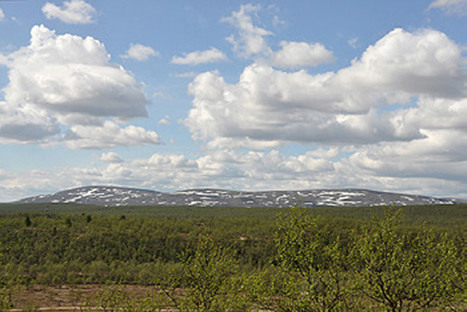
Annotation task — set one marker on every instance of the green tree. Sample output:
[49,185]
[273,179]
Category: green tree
[403,272]
[209,280]
[27,221]
[315,263]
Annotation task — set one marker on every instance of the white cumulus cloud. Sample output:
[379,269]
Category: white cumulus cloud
[300,54]
[422,62]
[2,15]
[140,52]
[72,75]
[72,12]
[269,107]
[65,81]
[212,55]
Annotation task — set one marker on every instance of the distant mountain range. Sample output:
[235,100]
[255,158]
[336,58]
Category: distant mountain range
[120,196]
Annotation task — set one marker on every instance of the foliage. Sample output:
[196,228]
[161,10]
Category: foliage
[316,262]
[395,269]
[209,278]
[407,272]
[206,259]
[115,298]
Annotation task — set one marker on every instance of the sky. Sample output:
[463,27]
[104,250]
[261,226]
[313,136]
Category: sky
[265,95]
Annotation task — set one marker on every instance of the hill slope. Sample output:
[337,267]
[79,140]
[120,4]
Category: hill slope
[119,196]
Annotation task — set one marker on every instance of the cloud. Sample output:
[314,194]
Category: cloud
[165,120]
[72,12]
[436,114]
[300,54]
[277,21]
[72,75]
[269,107]
[450,6]
[185,75]
[212,55]
[110,157]
[423,62]
[108,135]
[140,52]
[2,15]
[26,124]
[401,168]
[353,42]
[250,39]
[169,172]
[440,155]
[64,82]
[171,161]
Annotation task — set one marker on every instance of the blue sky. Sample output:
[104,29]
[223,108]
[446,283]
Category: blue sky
[170,95]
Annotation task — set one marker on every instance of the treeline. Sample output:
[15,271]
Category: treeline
[295,262]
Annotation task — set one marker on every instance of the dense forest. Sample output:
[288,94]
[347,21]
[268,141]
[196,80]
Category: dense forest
[211,259]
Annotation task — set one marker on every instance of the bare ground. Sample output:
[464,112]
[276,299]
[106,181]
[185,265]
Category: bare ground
[69,297]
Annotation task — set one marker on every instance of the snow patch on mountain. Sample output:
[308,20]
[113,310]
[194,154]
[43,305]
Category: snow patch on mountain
[120,196]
